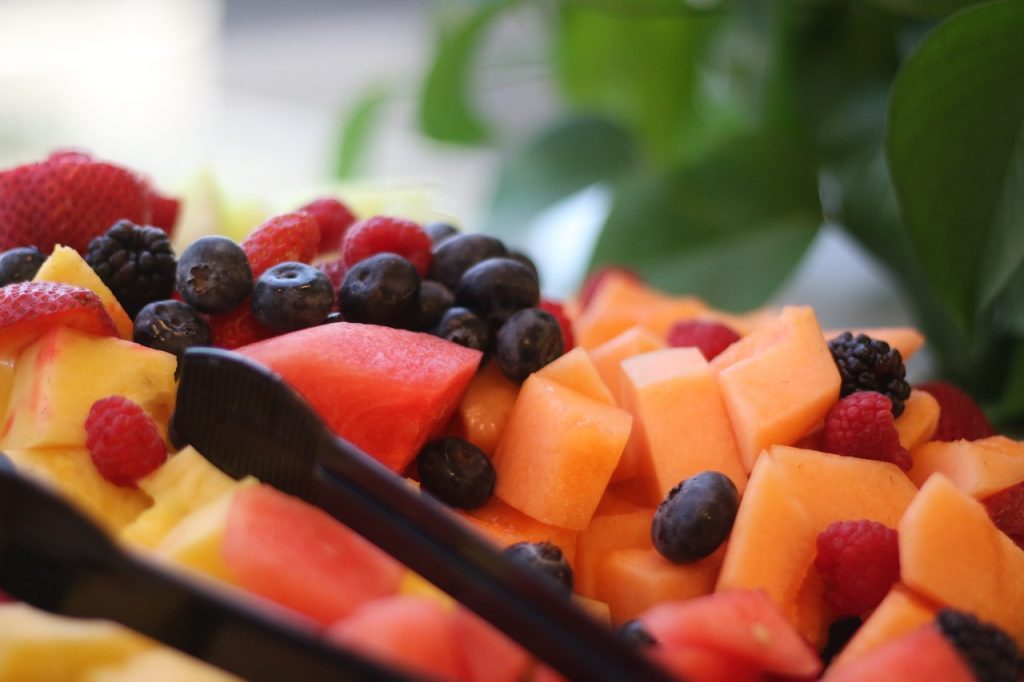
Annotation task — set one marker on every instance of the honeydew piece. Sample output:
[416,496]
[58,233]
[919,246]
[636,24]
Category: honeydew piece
[71,472]
[484,409]
[629,530]
[577,371]
[40,646]
[505,526]
[631,581]
[558,453]
[952,553]
[900,612]
[59,377]
[681,421]
[778,382]
[159,664]
[906,340]
[979,468]
[919,419]
[67,266]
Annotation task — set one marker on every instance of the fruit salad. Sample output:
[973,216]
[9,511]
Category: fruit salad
[739,496]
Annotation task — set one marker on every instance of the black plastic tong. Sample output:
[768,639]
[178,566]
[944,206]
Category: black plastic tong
[247,421]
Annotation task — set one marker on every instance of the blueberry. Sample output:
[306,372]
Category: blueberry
[529,340]
[382,289]
[438,232]
[520,257]
[20,264]
[292,296]
[633,633]
[696,517]
[545,557]
[455,255]
[170,326]
[463,327]
[433,301]
[213,275]
[496,288]
[456,472]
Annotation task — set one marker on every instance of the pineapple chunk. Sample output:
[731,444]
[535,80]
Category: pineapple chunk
[65,265]
[159,665]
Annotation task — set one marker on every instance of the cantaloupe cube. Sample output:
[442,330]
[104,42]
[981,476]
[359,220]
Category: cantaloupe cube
[485,407]
[631,581]
[618,499]
[899,613]
[628,530]
[792,496]
[778,382]
[906,340]
[677,406]
[60,376]
[506,526]
[558,452]
[952,553]
[919,419]
[577,371]
[67,266]
[597,610]
[979,468]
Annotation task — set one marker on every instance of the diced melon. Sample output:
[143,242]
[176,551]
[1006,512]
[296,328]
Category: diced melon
[71,472]
[67,266]
[900,612]
[577,371]
[597,609]
[979,468]
[778,382]
[630,530]
[631,581]
[608,356]
[159,664]
[485,407]
[680,419]
[920,417]
[922,655]
[906,340]
[952,553]
[59,377]
[506,526]
[558,453]
[620,303]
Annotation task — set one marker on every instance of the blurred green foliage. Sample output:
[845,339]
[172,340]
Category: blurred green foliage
[717,126]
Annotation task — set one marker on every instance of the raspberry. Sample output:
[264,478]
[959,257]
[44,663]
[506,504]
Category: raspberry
[598,277]
[123,441]
[335,271]
[385,234]
[959,416]
[290,236]
[990,653]
[1006,509]
[237,328]
[867,364]
[861,425]
[858,561]
[711,338]
[557,310]
[334,218]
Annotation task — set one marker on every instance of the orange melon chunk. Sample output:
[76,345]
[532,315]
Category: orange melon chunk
[952,553]
[507,526]
[899,613]
[558,452]
[631,581]
[629,530]
[920,417]
[979,468]
[777,382]
[906,340]
[680,420]
[577,371]
[485,407]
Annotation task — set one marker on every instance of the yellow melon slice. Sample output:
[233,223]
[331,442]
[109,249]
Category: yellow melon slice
[485,407]
[577,371]
[979,468]
[919,419]
[159,664]
[67,266]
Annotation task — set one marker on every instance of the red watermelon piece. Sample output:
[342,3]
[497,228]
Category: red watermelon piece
[744,625]
[697,664]
[296,555]
[923,655]
[385,390]
[486,654]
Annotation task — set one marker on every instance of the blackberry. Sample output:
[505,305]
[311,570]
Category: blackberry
[545,557]
[136,262]
[695,518]
[990,653]
[20,264]
[867,364]
[456,472]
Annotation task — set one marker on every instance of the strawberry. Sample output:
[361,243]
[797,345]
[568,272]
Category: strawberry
[708,336]
[287,237]
[558,311]
[959,416]
[165,211]
[30,309]
[68,199]
[237,328]
[334,219]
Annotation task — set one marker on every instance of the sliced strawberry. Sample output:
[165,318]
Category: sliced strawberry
[165,211]
[30,309]
[237,328]
[287,237]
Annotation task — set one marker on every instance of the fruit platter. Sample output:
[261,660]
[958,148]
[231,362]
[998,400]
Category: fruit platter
[732,497]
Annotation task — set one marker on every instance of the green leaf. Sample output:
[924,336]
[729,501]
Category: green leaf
[729,227]
[561,161]
[446,110]
[956,150]
[356,132]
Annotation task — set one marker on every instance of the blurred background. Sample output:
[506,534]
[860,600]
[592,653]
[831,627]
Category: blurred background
[790,151]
